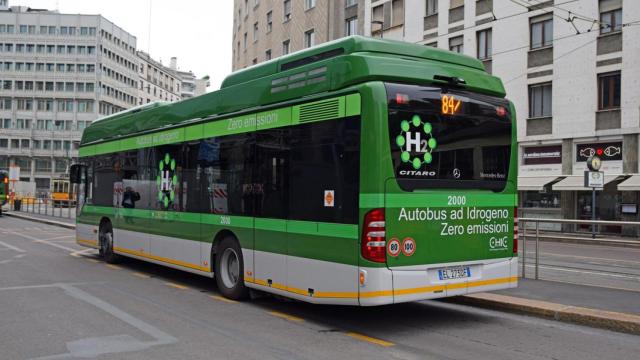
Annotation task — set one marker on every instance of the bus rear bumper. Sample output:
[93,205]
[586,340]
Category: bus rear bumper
[412,285]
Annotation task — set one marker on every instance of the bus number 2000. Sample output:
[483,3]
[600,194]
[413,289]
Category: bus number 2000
[456,200]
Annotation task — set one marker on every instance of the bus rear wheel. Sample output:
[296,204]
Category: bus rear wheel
[106,244]
[229,269]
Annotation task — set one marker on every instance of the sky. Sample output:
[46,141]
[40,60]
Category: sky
[198,32]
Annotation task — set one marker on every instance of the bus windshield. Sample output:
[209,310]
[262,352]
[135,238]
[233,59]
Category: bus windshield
[448,138]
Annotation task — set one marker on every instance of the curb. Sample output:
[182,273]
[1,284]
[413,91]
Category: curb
[610,320]
[40,220]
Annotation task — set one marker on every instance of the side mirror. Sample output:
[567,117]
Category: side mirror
[75,174]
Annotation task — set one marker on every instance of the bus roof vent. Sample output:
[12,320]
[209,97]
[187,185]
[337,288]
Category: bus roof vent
[312,59]
[321,110]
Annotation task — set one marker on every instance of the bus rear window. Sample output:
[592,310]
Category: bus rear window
[446,138]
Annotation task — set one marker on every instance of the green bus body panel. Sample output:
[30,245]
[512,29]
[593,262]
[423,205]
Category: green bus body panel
[288,237]
[362,60]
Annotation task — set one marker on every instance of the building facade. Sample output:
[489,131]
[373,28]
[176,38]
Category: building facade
[571,68]
[156,82]
[58,72]
[266,29]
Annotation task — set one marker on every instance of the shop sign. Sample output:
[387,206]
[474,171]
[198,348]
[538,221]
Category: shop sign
[594,179]
[542,155]
[609,151]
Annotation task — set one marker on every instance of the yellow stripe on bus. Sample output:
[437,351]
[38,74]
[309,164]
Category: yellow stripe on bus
[383,293]
[162,259]
[92,243]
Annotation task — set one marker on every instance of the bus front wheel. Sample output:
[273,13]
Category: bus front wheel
[229,269]
[106,243]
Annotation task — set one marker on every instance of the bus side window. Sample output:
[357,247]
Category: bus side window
[136,189]
[270,182]
[325,158]
[192,178]
[227,164]
[166,163]
[106,170]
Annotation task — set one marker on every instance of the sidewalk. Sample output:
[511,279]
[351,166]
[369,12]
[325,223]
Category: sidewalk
[45,219]
[613,309]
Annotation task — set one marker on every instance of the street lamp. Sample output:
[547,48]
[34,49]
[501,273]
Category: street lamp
[381,23]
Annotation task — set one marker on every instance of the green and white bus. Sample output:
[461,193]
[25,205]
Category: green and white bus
[357,172]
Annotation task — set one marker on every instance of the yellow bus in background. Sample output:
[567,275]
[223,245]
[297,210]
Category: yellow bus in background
[62,193]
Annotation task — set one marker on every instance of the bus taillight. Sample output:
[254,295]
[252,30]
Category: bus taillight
[515,230]
[374,246]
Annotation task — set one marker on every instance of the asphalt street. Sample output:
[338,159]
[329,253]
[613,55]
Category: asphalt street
[58,301]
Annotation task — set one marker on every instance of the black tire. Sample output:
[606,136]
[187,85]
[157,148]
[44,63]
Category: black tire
[229,274]
[106,244]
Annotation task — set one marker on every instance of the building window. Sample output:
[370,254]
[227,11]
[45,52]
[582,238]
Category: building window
[309,4]
[255,32]
[351,26]
[351,3]
[456,44]
[377,14]
[397,12]
[611,21]
[287,10]
[285,47]
[484,44]
[432,7]
[609,91]
[267,55]
[540,100]
[542,31]
[244,42]
[309,38]
[269,21]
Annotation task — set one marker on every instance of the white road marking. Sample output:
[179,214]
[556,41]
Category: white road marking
[14,248]
[585,272]
[60,237]
[45,242]
[79,253]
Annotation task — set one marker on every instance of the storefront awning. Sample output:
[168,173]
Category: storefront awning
[576,183]
[534,183]
[631,184]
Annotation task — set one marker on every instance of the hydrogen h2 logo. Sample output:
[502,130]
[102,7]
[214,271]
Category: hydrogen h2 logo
[416,138]
[167,180]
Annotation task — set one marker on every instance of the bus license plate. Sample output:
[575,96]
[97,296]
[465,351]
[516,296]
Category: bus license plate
[456,272]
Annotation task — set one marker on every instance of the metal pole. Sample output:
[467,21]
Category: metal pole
[593,213]
[537,247]
[524,248]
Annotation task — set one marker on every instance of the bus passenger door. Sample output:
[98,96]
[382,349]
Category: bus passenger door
[131,195]
[270,254]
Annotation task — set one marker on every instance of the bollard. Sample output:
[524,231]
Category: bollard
[524,249]
[537,248]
